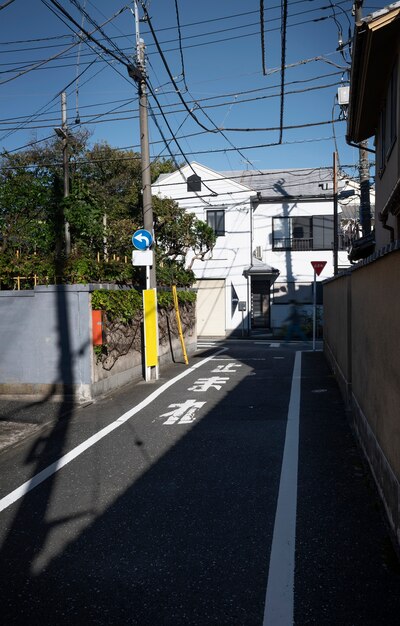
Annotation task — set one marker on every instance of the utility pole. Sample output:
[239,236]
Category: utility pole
[63,134]
[66,168]
[150,326]
[365,204]
[335,216]
[138,73]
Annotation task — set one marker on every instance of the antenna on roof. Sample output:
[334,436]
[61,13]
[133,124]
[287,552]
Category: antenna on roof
[250,163]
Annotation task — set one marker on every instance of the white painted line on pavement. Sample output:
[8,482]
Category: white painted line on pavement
[51,469]
[279,602]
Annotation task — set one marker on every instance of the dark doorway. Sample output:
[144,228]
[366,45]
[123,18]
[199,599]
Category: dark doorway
[260,309]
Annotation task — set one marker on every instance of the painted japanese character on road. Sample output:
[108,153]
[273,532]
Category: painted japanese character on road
[183,413]
[204,384]
[229,368]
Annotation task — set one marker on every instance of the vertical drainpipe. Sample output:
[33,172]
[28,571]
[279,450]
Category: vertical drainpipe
[251,265]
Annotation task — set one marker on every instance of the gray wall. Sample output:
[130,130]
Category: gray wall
[45,339]
[46,345]
[362,342]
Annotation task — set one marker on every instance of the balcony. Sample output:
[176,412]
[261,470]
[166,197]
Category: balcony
[292,243]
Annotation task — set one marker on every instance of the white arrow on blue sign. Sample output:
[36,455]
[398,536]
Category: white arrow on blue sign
[142,239]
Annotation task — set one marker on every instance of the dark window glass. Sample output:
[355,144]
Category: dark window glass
[216,219]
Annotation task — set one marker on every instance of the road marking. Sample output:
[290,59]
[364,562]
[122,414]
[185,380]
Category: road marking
[182,413]
[230,368]
[279,602]
[51,469]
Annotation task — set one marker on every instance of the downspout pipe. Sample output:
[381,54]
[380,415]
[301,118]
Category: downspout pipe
[383,217]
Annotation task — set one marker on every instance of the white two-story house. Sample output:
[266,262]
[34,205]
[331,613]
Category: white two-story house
[270,226]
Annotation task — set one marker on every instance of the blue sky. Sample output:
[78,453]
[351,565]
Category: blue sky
[224,84]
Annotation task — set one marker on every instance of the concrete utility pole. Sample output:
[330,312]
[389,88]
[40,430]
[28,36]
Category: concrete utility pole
[63,134]
[138,73]
[335,216]
[365,204]
[65,168]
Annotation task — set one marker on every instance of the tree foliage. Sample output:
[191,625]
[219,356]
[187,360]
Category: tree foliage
[103,209]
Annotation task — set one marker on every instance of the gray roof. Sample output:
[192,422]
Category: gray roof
[296,183]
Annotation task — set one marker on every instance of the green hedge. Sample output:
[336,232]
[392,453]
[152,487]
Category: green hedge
[126,303]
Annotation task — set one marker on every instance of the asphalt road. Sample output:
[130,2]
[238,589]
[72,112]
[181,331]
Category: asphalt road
[230,492]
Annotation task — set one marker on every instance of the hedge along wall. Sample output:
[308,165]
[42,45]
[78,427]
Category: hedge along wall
[46,342]
[120,359]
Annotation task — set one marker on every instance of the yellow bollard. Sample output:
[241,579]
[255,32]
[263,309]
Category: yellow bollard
[178,320]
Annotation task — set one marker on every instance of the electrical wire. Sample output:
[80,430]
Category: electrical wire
[204,43]
[171,131]
[85,32]
[209,98]
[264,67]
[172,79]
[283,63]
[86,15]
[77,119]
[6,4]
[219,130]
[180,44]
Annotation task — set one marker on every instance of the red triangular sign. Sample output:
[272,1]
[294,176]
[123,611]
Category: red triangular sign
[318,266]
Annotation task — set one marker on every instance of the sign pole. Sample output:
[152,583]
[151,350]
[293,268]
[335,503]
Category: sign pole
[315,310]
[318,266]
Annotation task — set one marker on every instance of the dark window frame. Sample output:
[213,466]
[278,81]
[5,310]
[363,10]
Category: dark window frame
[301,244]
[216,220]
[388,121]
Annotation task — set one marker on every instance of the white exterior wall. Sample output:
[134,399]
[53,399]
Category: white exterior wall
[233,252]
[293,265]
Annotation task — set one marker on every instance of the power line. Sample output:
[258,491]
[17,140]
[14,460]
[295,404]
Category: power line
[85,32]
[6,4]
[171,131]
[92,119]
[264,68]
[82,10]
[200,22]
[283,63]
[180,44]
[164,60]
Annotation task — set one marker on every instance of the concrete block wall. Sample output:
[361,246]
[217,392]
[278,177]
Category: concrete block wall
[46,345]
[362,343]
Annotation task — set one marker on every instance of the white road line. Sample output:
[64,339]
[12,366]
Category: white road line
[279,602]
[51,469]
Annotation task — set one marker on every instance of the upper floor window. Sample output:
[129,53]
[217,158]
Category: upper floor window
[216,219]
[194,183]
[302,233]
[388,121]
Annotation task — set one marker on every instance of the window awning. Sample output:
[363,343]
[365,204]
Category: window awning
[258,268]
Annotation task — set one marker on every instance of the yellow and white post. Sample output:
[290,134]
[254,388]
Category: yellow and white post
[150,333]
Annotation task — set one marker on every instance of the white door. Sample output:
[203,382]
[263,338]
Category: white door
[210,308]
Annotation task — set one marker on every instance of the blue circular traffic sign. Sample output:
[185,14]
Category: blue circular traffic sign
[142,239]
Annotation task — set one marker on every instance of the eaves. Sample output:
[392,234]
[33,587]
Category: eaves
[375,45]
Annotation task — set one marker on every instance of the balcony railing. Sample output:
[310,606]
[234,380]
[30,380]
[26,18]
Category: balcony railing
[306,243]
[291,243]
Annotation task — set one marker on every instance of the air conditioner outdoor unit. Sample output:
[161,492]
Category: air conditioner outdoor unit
[258,253]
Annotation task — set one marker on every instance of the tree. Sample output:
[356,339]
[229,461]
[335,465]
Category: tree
[103,210]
